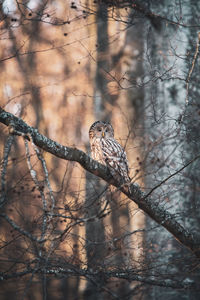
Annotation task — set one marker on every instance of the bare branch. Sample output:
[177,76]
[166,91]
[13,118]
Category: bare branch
[36,181]
[172,175]
[155,210]
[120,274]
[155,19]
[19,229]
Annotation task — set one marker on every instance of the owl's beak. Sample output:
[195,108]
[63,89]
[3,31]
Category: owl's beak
[103,134]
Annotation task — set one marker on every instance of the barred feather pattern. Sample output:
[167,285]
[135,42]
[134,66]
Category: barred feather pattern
[106,150]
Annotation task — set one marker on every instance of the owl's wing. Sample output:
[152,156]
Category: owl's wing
[116,159]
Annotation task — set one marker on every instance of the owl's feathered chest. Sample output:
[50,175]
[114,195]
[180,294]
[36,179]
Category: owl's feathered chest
[102,149]
[96,150]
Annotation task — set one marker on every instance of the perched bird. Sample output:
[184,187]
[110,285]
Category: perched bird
[107,151]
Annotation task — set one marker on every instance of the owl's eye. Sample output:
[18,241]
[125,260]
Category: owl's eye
[99,129]
[106,129]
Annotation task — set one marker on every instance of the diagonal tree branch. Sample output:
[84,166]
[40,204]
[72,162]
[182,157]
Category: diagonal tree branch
[147,204]
[130,275]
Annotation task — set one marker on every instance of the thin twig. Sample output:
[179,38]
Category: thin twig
[19,229]
[172,175]
[43,162]
[33,174]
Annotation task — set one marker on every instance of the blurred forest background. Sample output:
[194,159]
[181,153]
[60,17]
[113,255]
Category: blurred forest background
[65,234]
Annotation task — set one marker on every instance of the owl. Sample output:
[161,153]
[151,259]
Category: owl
[107,151]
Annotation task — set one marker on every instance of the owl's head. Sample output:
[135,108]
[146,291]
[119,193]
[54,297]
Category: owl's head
[100,129]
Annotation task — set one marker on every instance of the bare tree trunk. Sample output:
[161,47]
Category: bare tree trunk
[95,235]
[164,100]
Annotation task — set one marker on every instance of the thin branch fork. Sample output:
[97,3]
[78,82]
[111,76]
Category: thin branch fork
[130,275]
[133,192]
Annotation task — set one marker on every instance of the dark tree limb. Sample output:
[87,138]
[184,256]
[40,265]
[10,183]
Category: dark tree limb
[131,275]
[155,19]
[133,192]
